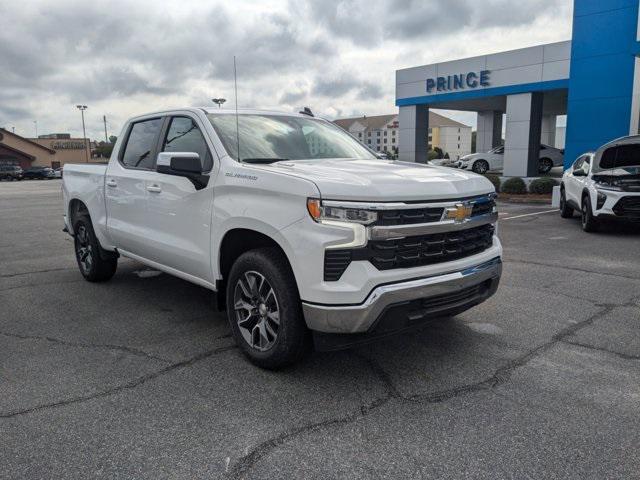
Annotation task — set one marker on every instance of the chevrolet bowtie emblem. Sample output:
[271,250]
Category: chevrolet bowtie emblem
[459,213]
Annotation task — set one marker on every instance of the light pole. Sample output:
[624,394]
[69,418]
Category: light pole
[219,101]
[82,108]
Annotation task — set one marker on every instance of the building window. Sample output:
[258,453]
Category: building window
[385,140]
[378,141]
[385,133]
[458,130]
[378,133]
[393,140]
[378,148]
[368,134]
[369,141]
[359,134]
[393,132]
[458,146]
[458,137]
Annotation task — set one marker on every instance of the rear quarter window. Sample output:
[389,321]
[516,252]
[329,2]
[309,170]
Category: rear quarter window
[141,143]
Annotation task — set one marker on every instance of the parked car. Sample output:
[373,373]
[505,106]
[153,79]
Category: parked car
[297,240]
[57,173]
[604,184]
[39,173]
[443,162]
[494,160]
[11,172]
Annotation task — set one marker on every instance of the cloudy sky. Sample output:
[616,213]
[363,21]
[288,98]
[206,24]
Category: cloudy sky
[123,58]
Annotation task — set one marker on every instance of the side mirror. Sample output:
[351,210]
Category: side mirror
[182,164]
[579,173]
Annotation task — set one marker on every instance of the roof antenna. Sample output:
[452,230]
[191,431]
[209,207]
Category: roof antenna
[235,82]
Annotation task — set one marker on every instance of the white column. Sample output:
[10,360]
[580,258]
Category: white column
[489,131]
[522,144]
[413,125]
[548,136]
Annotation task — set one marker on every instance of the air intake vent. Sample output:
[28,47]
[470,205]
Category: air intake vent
[335,263]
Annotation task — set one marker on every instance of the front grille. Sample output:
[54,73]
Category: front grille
[411,251]
[483,207]
[407,217]
[628,207]
[411,216]
[426,249]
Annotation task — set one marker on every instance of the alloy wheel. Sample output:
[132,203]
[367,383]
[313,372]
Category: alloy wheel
[257,311]
[84,249]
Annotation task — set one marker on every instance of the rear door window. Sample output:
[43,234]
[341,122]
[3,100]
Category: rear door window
[141,143]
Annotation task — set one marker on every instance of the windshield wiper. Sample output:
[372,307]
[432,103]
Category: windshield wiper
[263,160]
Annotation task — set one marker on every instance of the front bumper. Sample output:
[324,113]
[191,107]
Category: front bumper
[440,295]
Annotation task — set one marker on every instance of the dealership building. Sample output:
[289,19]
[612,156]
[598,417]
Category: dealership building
[593,79]
[52,150]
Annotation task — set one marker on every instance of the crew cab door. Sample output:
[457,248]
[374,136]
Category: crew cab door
[125,186]
[178,214]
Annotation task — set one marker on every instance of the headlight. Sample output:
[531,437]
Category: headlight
[608,186]
[321,212]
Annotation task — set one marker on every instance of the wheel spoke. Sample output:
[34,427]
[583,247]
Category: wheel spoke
[244,289]
[269,330]
[274,316]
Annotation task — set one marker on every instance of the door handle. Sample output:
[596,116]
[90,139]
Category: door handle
[154,188]
[112,183]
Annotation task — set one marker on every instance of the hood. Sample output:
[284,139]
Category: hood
[385,180]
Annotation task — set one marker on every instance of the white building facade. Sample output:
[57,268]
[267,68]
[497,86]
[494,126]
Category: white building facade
[381,133]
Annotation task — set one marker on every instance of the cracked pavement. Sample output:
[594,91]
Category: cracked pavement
[139,378]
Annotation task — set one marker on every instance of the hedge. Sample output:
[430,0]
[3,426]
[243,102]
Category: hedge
[542,185]
[514,185]
[495,179]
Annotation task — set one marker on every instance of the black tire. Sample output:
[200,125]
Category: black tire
[95,264]
[291,339]
[566,211]
[545,165]
[589,222]
[480,166]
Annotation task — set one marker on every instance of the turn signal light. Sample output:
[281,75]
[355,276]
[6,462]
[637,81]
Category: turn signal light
[314,209]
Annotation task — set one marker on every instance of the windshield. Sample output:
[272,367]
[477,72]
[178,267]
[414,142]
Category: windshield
[283,137]
[624,158]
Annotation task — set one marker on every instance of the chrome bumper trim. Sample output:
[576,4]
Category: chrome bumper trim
[359,318]
[401,231]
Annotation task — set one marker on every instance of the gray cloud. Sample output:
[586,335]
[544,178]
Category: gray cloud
[126,57]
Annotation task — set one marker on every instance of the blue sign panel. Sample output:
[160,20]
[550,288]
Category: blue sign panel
[459,82]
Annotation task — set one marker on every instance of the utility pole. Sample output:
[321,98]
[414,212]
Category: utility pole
[82,108]
[35,122]
[104,119]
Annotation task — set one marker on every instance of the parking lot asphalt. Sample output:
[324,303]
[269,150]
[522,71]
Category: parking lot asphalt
[139,378]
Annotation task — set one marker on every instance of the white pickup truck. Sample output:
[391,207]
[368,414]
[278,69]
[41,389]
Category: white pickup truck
[302,232]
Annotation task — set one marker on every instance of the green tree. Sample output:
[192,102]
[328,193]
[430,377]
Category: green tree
[474,136]
[113,139]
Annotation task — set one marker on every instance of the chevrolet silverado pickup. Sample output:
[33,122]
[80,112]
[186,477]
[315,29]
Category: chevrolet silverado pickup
[303,233]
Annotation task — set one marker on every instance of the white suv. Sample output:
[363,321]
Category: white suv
[604,184]
[494,160]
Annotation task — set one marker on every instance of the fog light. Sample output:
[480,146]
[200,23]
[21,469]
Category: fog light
[601,199]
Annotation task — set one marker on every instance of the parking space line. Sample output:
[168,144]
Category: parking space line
[529,214]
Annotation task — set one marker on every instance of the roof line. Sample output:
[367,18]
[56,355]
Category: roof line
[24,154]
[27,140]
